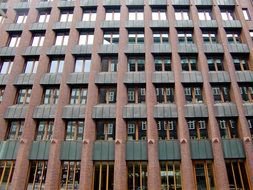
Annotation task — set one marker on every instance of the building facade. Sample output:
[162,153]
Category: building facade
[126,94]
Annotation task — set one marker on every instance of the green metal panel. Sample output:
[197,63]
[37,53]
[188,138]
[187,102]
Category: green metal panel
[162,150]
[233,149]
[72,150]
[111,151]
[97,150]
[78,150]
[136,150]
[11,148]
[103,150]
[41,150]
[64,150]
[4,149]
[144,150]
[34,150]
[201,149]
[169,150]
[130,150]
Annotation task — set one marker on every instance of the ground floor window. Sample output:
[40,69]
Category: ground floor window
[103,176]
[237,175]
[6,173]
[170,175]
[203,172]
[37,175]
[137,175]
[70,175]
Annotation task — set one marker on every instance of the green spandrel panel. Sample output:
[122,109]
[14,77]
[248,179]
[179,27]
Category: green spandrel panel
[97,150]
[10,151]
[78,150]
[144,153]
[233,148]
[111,150]
[3,150]
[64,150]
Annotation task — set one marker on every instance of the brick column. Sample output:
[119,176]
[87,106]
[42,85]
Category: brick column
[220,176]
[10,90]
[120,168]
[19,180]
[182,127]
[242,127]
[154,175]
[90,125]
[54,163]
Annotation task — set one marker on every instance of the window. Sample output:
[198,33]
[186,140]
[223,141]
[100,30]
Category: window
[44,17]
[136,64]
[215,63]
[189,63]
[37,175]
[185,37]
[111,38]
[197,129]
[109,64]
[136,130]
[66,16]
[221,94]
[15,130]
[31,66]
[74,130]
[112,15]
[23,95]
[159,14]
[45,130]
[89,15]
[78,95]
[137,175]
[21,17]
[103,175]
[193,94]
[62,39]
[247,92]
[14,40]
[209,37]
[250,122]
[136,95]
[162,63]
[165,94]
[227,15]
[241,63]
[6,66]
[7,170]
[70,175]
[107,95]
[228,128]
[56,66]
[205,14]
[237,174]
[86,38]
[233,37]
[38,39]
[167,129]
[170,175]
[161,37]
[1,19]
[51,95]
[246,14]
[251,34]
[182,15]
[136,14]
[136,38]
[105,130]
[203,172]
[82,64]
[1,94]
